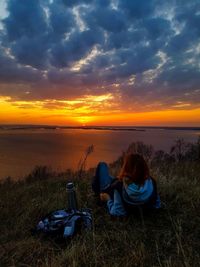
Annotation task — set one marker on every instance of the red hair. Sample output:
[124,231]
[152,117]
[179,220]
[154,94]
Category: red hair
[134,169]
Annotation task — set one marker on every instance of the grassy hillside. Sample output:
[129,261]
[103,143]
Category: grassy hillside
[170,237]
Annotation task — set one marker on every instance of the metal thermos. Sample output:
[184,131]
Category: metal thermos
[71,196]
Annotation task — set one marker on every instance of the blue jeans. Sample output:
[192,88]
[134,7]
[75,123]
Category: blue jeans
[102,179]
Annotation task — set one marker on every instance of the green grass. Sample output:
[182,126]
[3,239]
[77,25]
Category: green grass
[170,237]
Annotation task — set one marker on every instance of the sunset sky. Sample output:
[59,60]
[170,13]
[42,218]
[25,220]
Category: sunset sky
[100,62]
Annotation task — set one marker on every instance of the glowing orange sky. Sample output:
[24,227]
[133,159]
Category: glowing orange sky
[100,63]
[90,111]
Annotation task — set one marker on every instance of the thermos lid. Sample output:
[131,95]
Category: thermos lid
[70,185]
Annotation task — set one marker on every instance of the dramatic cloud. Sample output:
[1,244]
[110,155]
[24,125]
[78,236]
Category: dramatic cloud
[144,54]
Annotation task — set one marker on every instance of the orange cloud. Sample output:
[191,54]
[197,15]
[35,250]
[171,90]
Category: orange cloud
[90,110]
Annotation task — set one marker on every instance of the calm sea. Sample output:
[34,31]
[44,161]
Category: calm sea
[21,150]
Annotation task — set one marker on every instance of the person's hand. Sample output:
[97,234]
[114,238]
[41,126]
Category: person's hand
[104,197]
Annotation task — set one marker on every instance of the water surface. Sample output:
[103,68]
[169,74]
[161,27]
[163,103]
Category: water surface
[21,150]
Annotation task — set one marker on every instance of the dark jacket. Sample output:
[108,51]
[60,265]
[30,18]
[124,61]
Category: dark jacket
[126,199]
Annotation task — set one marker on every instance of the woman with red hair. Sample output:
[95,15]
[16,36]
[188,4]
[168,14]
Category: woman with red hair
[134,187]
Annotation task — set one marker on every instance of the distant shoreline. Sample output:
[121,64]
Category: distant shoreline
[106,128]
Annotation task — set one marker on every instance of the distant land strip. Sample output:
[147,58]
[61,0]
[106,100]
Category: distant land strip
[109,128]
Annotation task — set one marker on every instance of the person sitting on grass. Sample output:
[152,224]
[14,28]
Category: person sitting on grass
[133,188]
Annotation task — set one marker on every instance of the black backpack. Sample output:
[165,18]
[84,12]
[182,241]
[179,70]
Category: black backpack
[64,224]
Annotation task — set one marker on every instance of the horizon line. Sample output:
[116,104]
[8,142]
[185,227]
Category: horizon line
[93,126]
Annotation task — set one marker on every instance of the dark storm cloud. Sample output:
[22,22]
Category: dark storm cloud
[109,19]
[72,3]
[61,19]
[12,72]
[26,32]
[150,49]
[157,28]
[138,9]
[26,18]
[33,53]
[65,52]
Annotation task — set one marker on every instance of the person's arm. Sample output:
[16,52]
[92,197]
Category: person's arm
[115,206]
[157,203]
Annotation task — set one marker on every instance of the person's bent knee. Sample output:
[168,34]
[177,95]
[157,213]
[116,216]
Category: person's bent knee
[102,163]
